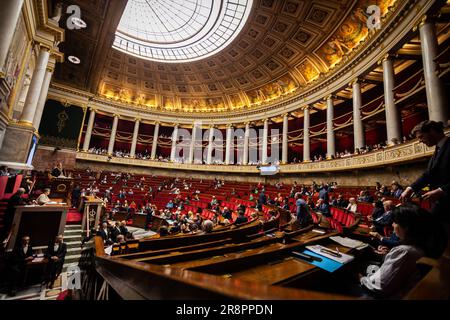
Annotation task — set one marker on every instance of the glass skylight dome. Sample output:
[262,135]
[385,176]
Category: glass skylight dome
[179,30]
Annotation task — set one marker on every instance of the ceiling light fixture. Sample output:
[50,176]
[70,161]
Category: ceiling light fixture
[74,60]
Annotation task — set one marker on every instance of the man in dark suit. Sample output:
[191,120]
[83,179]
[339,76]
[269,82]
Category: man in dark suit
[20,256]
[115,232]
[15,200]
[437,174]
[262,198]
[76,194]
[323,194]
[241,218]
[105,233]
[123,229]
[56,253]
[323,208]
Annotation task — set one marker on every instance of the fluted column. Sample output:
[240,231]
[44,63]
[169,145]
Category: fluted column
[34,92]
[112,138]
[265,141]
[284,157]
[155,141]
[228,144]
[393,123]
[306,142]
[437,107]
[358,128]
[87,137]
[174,143]
[210,145]
[246,140]
[135,138]
[331,142]
[9,15]
[43,96]
[192,146]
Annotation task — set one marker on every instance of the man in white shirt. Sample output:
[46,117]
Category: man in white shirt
[43,197]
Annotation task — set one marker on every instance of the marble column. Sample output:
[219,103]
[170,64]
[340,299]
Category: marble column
[155,141]
[210,145]
[331,142]
[393,123]
[112,138]
[90,126]
[358,127]
[34,92]
[306,142]
[192,146]
[135,138]
[246,140]
[228,145]
[174,143]
[265,141]
[43,97]
[284,157]
[9,16]
[437,107]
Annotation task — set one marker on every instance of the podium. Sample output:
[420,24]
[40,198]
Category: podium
[92,208]
[61,188]
[41,223]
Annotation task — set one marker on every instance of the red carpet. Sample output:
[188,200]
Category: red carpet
[73,216]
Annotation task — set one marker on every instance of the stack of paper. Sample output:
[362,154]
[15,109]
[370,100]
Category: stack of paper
[343,258]
[350,243]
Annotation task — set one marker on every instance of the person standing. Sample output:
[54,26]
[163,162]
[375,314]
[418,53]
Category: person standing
[56,253]
[303,215]
[15,200]
[436,175]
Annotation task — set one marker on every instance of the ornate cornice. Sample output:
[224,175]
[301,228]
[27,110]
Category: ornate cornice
[377,44]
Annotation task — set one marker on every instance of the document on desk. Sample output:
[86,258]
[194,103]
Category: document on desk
[350,243]
[342,258]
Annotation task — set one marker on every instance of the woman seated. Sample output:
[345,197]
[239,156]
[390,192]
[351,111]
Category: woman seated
[352,206]
[398,272]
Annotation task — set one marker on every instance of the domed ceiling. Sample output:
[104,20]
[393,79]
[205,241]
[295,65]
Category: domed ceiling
[284,46]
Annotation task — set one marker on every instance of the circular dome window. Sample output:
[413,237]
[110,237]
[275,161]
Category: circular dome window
[179,30]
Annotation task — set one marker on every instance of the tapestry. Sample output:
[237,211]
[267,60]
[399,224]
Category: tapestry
[60,125]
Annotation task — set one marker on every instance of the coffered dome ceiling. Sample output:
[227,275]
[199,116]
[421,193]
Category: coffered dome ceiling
[282,49]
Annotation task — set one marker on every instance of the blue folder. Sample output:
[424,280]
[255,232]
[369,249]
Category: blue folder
[326,264]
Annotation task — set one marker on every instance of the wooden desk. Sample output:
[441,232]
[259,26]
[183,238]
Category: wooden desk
[32,265]
[41,223]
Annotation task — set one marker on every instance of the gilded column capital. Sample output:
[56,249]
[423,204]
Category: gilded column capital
[44,46]
[116,115]
[354,81]
[387,56]
[424,19]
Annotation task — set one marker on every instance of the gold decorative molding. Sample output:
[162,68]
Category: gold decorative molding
[398,154]
[25,123]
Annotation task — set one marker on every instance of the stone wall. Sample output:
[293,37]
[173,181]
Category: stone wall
[46,157]
[404,174]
